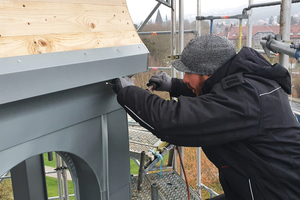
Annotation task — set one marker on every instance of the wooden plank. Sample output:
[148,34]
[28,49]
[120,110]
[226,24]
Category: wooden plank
[100,2]
[44,26]
[31,18]
[26,45]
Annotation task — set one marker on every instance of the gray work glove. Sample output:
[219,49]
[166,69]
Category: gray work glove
[161,82]
[120,83]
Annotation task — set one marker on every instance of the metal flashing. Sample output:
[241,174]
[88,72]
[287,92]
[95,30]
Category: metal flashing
[28,76]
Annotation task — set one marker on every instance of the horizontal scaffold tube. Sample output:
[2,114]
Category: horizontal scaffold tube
[281,47]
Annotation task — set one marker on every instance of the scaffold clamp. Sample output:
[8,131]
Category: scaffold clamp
[174,57]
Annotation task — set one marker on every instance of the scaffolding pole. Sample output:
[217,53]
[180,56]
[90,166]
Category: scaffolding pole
[198,29]
[174,50]
[260,5]
[173,36]
[285,28]
[240,34]
[198,23]
[60,190]
[180,74]
[181,31]
[149,17]
[250,24]
[164,32]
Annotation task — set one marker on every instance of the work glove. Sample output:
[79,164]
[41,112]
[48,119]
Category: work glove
[161,82]
[120,83]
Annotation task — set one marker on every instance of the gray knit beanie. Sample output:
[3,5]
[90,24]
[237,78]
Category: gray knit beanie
[204,55]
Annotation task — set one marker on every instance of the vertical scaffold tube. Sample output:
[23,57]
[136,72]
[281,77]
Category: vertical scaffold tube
[198,22]
[141,171]
[58,166]
[154,191]
[211,26]
[65,179]
[181,31]
[249,34]
[285,28]
[181,45]
[173,34]
[199,149]
[240,34]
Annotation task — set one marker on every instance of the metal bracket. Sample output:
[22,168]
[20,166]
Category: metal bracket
[174,57]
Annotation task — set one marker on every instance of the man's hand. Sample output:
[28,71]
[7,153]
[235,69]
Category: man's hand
[120,83]
[162,81]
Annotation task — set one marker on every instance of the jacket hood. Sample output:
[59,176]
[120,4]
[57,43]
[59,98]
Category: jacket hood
[249,61]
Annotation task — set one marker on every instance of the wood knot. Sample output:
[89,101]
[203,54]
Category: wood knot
[42,43]
[93,25]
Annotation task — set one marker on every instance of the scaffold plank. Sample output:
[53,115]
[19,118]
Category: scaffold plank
[171,186]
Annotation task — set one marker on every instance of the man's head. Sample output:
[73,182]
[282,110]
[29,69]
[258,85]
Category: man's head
[201,57]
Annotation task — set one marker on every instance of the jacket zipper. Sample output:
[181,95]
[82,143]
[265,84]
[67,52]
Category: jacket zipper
[251,189]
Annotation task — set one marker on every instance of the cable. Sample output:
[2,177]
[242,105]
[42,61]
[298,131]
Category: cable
[186,180]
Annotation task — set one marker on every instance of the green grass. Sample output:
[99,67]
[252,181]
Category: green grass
[52,187]
[134,168]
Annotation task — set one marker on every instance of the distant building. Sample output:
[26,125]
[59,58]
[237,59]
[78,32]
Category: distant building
[258,32]
[158,19]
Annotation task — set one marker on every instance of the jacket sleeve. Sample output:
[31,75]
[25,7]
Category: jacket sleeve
[179,88]
[207,120]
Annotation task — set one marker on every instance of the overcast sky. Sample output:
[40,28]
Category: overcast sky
[140,9]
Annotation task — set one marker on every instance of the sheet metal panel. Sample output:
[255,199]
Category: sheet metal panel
[28,76]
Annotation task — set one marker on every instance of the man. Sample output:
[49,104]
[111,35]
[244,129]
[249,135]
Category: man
[234,106]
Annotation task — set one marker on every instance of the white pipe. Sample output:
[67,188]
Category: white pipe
[65,179]
[60,192]
[250,24]
[173,34]
[174,71]
[181,32]
[285,28]
[198,22]
[199,170]
[198,29]
[180,49]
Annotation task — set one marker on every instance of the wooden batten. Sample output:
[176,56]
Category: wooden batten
[44,26]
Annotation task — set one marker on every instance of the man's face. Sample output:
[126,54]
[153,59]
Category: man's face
[195,82]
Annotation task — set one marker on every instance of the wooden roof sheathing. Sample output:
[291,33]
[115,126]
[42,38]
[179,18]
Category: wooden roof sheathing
[44,26]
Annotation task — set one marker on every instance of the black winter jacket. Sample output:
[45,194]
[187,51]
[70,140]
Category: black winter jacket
[243,121]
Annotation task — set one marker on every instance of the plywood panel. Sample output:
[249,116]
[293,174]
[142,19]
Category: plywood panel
[100,2]
[26,45]
[32,27]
